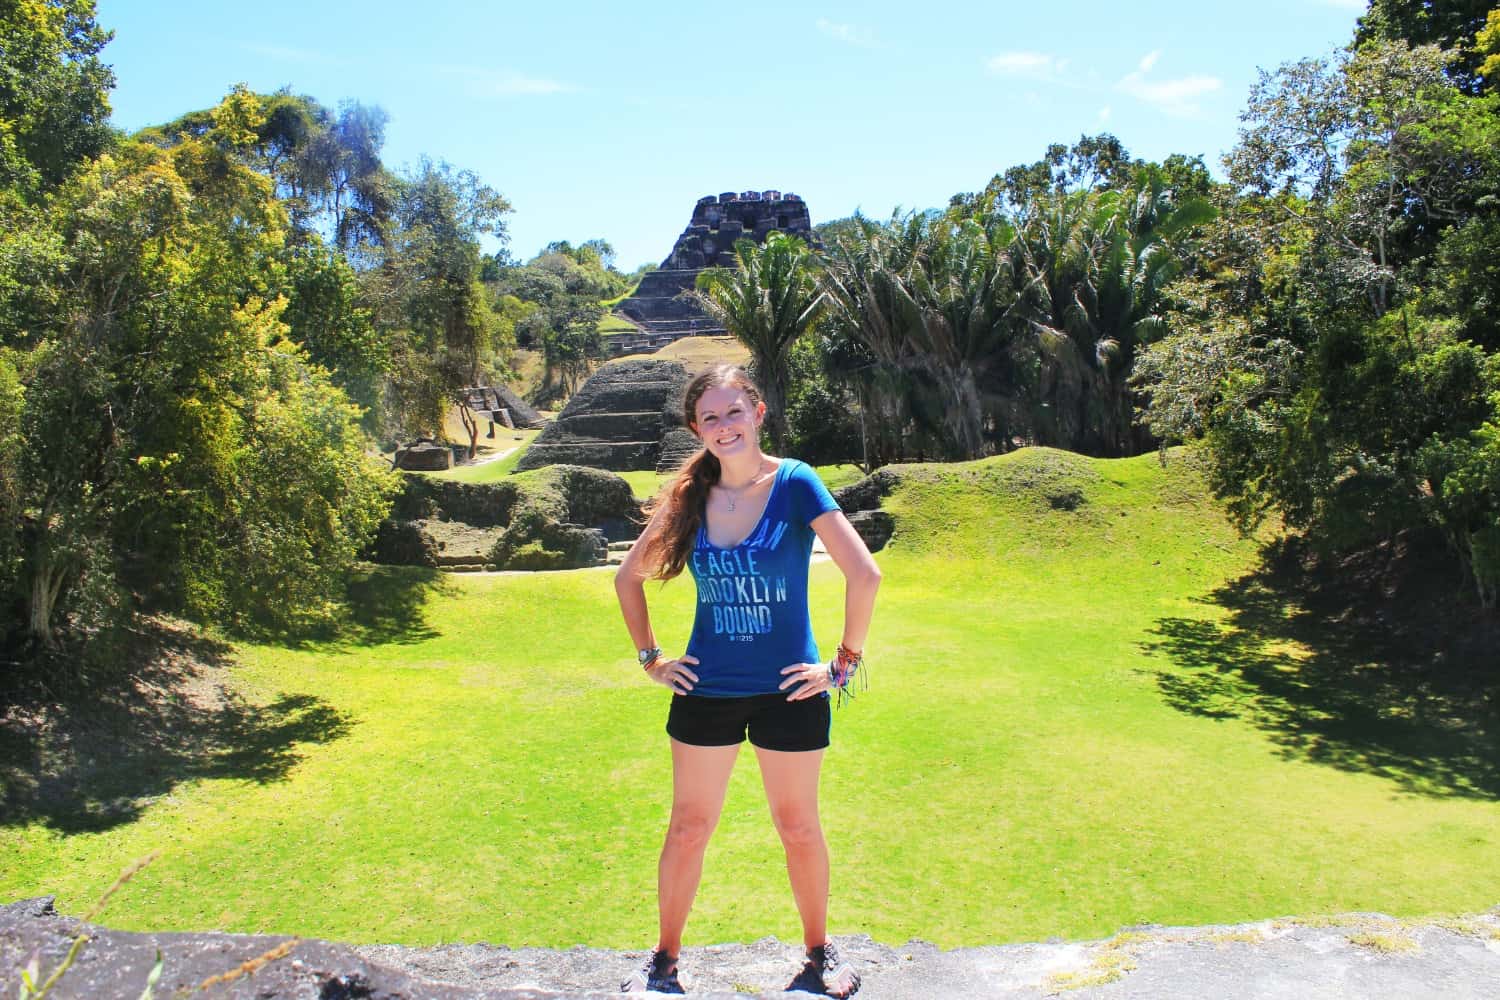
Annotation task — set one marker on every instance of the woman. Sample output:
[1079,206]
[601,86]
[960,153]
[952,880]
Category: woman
[742,522]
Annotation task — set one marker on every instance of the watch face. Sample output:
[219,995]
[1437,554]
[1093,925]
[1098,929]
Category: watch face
[647,655]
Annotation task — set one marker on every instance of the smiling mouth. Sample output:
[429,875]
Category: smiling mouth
[730,440]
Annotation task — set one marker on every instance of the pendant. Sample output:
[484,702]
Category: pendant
[731,505]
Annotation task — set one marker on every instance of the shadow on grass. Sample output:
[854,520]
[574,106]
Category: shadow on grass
[1378,664]
[387,602]
[91,763]
[386,605]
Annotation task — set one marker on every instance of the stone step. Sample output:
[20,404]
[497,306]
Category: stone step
[630,426]
[624,397]
[677,446]
[632,397]
[583,440]
[621,546]
[668,465]
[617,456]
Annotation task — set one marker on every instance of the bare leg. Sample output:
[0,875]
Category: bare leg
[700,777]
[791,781]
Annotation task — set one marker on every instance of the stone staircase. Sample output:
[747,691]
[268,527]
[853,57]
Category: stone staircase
[677,446]
[616,421]
[664,310]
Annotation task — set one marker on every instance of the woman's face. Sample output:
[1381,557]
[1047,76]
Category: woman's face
[727,422]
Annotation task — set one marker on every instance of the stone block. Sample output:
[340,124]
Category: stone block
[868,492]
[707,242]
[425,456]
[617,426]
[874,526]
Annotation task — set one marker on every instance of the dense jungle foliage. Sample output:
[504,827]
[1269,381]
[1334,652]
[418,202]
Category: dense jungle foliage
[1323,323]
[208,327]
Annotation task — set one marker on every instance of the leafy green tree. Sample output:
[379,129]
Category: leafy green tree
[1380,152]
[768,300]
[325,165]
[1487,47]
[54,91]
[1447,24]
[175,444]
[1335,352]
[1094,162]
[427,299]
[341,173]
[326,315]
[822,415]
[571,341]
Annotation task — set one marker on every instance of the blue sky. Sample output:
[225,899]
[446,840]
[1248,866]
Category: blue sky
[609,120]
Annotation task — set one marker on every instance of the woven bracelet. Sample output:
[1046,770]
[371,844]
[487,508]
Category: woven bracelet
[842,670]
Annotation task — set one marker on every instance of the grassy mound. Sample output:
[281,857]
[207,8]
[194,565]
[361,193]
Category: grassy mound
[536,520]
[697,353]
[1070,728]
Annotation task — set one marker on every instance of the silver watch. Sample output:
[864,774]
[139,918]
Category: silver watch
[645,656]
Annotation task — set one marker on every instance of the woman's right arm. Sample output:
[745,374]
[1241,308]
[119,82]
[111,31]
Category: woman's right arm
[630,588]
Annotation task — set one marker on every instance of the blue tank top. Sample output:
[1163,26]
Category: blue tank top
[751,618]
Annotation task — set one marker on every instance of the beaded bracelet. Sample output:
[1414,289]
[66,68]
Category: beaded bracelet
[842,670]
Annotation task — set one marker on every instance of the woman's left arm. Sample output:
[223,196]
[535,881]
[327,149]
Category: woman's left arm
[861,575]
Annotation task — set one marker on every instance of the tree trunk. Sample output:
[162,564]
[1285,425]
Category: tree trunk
[471,427]
[776,413]
[46,583]
[967,415]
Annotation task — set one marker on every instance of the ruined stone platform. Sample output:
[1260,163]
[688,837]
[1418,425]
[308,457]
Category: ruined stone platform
[617,420]
[1350,957]
[661,306]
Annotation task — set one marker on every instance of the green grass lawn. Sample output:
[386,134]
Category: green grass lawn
[1069,728]
[610,323]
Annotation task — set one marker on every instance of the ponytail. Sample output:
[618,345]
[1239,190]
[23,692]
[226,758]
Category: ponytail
[683,501]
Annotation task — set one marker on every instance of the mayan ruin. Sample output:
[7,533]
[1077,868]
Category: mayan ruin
[660,308]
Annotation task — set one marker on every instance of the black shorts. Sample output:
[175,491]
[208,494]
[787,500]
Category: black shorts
[773,723]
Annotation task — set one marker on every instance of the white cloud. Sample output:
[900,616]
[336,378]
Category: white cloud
[1104,114]
[1038,65]
[1177,97]
[849,34]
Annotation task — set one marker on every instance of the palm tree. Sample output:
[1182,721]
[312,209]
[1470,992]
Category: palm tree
[768,300]
[869,278]
[974,299]
[1101,260]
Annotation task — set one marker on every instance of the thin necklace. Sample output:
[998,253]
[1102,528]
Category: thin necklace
[734,495]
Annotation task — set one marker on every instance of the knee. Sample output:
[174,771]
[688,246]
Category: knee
[799,831]
[689,831]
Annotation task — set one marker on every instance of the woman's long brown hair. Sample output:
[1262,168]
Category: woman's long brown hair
[683,500]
